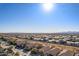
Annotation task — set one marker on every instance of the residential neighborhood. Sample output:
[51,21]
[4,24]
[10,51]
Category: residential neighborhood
[39,44]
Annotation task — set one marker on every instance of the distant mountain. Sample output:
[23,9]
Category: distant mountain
[70,32]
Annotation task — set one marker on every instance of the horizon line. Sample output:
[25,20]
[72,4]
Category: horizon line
[41,32]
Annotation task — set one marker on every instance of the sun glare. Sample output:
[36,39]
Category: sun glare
[48,6]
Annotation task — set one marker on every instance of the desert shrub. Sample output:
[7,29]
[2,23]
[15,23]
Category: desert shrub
[1,50]
[9,50]
[41,53]
[31,38]
[11,43]
[3,54]
[50,38]
[27,49]
[36,51]
[20,46]
[17,54]
[49,55]
[39,46]
[3,38]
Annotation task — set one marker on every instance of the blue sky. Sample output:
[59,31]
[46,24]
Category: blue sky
[30,17]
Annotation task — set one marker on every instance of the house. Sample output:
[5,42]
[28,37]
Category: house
[37,39]
[51,41]
[69,43]
[67,38]
[76,44]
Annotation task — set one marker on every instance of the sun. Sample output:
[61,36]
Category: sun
[47,6]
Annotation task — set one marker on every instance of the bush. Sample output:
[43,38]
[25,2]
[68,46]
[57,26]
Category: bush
[1,50]
[3,54]
[27,49]
[12,43]
[39,46]
[10,49]
[21,46]
[17,54]
[36,52]
[3,39]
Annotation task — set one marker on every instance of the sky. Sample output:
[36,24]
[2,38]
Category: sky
[32,18]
